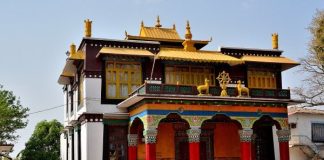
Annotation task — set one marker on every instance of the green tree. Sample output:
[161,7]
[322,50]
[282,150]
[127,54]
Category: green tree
[44,142]
[312,91]
[12,116]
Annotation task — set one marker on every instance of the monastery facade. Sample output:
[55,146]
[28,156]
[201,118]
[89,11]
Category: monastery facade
[158,96]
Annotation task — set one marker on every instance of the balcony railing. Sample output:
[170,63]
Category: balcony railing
[214,91]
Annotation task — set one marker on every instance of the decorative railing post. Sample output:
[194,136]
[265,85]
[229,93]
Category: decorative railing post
[150,141]
[283,138]
[194,143]
[246,137]
[132,146]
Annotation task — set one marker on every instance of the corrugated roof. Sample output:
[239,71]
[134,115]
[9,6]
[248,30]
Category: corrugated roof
[125,51]
[158,32]
[286,62]
[197,56]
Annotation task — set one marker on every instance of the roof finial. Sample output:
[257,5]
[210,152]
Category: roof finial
[158,22]
[174,27]
[275,41]
[142,23]
[87,28]
[188,34]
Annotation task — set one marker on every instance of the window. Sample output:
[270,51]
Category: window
[262,79]
[122,78]
[189,75]
[318,132]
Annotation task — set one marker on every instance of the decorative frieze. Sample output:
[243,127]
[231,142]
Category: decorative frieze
[150,135]
[246,135]
[283,135]
[132,139]
[194,135]
[89,117]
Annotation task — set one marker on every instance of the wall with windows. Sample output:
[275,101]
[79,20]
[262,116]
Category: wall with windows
[304,124]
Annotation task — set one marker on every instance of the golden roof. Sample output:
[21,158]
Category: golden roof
[68,71]
[79,55]
[125,51]
[286,62]
[158,32]
[197,56]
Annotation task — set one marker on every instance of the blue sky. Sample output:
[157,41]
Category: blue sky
[36,34]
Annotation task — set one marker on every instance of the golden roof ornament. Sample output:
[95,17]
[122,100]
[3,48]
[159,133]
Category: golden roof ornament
[158,25]
[223,79]
[87,28]
[188,34]
[275,41]
[72,50]
[188,44]
[142,23]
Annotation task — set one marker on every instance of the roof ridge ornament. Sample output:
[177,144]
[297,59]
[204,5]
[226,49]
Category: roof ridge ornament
[158,25]
[275,40]
[188,34]
[142,23]
[188,44]
[87,28]
[174,26]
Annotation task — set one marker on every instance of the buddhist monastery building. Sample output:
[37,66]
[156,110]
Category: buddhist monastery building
[159,95]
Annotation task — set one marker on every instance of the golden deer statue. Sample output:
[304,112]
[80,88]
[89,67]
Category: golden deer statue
[241,89]
[203,88]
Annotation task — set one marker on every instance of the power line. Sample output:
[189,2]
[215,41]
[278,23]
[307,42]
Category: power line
[47,109]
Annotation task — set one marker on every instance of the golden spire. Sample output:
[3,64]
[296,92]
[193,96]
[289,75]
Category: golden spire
[188,34]
[87,28]
[72,49]
[188,44]
[275,41]
[142,24]
[174,27]
[158,22]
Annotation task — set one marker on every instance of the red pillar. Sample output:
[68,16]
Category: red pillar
[132,152]
[150,147]
[283,138]
[245,137]
[194,151]
[132,146]
[245,150]
[194,143]
[150,153]
[284,150]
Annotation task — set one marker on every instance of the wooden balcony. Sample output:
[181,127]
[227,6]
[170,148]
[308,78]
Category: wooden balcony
[214,91]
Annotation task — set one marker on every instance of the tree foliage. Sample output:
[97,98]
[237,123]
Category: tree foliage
[44,142]
[12,116]
[313,89]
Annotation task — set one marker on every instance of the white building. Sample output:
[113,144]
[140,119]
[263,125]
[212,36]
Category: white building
[307,133]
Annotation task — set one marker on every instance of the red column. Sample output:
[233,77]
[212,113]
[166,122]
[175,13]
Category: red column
[150,147]
[150,153]
[245,150]
[283,138]
[132,152]
[194,143]
[132,146]
[245,137]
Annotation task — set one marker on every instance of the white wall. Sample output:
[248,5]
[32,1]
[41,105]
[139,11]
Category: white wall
[84,145]
[63,147]
[275,143]
[92,141]
[93,97]
[296,153]
[304,122]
